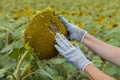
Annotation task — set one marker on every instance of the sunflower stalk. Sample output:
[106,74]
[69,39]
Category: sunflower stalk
[17,71]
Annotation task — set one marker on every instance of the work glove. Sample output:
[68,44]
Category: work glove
[75,32]
[72,54]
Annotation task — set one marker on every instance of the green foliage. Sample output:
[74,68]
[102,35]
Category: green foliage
[99,18]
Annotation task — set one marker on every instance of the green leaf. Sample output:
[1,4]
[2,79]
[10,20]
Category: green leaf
[7,64]
[114,42]
[8,48]
[114,33]
[15,53]
[97,61]
[2,72]
[18,31]
[111,69]
[68,67]
[15,44]
[45,73]
[57,60]
[18,44]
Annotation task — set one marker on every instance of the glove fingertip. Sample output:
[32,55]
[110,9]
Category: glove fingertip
[58,48]
[60,16]
[63,20]
[57,34]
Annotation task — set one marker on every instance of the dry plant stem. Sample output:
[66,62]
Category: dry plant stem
[7,38]
[29,75]
[17,71]
[68,77]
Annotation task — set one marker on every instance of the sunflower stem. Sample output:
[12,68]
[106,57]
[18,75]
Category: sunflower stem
[17,71]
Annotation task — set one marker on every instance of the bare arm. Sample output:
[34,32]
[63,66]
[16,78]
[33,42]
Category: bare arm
[106,51]
[95,74]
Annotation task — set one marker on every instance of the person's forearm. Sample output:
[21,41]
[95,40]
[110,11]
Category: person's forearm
[95,74]
[106,51]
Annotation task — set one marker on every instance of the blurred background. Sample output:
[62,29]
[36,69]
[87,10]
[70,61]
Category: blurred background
[101,18]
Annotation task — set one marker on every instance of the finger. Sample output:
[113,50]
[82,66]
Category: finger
[57,34]
[66,41]
[59,49]
[65,22]
[71,37]
[60,36]
[60,44]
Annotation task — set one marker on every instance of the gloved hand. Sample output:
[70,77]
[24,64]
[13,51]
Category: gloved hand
[73,54]
[75,32]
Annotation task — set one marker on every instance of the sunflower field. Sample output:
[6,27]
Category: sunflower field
[101,18]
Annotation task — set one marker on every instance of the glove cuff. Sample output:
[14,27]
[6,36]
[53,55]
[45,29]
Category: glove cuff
[83,65]
[83,36]
[83,70]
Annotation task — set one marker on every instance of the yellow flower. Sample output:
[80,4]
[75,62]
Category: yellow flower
[113,23]
[101,23]
[80,24]
[99,7]
[94,31]
[27,12]
[75,13]
[85,13]
[29,69]
[67,12]
[18,13]
[106,40]
[100,18]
